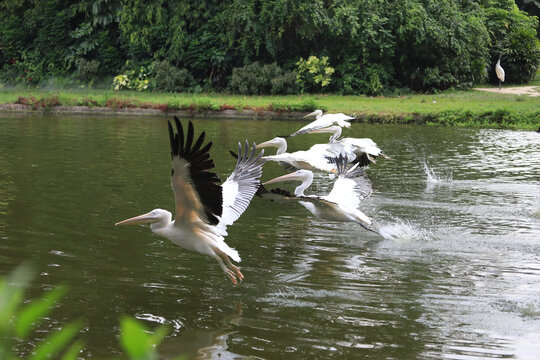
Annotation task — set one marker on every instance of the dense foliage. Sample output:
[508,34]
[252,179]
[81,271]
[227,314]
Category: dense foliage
[356,47]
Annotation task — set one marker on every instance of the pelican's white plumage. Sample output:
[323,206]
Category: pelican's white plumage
[316,158]
[341,204]
[499,71]
[364,150]
[322,121]
[204,208]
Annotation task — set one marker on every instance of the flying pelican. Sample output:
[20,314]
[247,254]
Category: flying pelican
[316,158]
[499,71]
[324,121]
[204,208]
[341,204]
[365,150]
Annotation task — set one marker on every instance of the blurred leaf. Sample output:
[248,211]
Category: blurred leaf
[56,341]
[137,342]
[12,292]
[36,311]
[73,352]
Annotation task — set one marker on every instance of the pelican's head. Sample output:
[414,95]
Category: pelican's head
[277,142]
[305,176]
[154,216]
[334,130]
[316,113]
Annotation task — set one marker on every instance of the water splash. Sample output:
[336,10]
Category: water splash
[432,178]
[525,309]
[404,231]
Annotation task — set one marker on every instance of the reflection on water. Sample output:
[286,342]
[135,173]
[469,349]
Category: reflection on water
[455,274]
[199,343]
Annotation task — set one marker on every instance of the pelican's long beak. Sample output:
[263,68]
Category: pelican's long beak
[286,177]
[265,144]
[141,219]
[311,114]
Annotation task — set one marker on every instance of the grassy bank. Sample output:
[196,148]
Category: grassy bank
[455,108]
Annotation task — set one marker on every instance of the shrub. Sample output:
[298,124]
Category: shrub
[314,73]
[87,71]
[30,69]
[522,56]
[258,79]
[354,79]
[170,78]
[513,34]
[132,79]
[440,44]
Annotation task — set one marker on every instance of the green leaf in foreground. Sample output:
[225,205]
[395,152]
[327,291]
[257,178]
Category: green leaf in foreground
[32,313]
[137,341]
[56,341]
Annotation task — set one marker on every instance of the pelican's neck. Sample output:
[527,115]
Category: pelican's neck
[336,132]
[282,146]
[307,179]
[163,222]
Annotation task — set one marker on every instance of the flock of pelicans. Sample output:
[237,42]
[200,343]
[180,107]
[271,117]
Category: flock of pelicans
[205,206]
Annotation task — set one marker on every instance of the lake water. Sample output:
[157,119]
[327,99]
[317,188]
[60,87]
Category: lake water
[456,274]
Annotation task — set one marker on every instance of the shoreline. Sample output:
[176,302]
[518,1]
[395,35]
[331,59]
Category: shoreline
[463,120]
[249,114]
[470,109]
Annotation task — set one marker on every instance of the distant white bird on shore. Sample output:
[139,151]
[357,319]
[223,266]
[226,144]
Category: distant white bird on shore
[499,71]
[323,121]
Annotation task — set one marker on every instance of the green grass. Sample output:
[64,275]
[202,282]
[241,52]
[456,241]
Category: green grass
[459,108]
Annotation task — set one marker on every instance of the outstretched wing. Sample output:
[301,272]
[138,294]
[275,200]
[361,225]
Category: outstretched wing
[276,194]
[197,190]
[240,186]
[325,121]
[352,185]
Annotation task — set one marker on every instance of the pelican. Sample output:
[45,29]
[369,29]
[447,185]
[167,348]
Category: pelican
[341,204]
[204,208]
[278,142]
[316,158]
[499,71]
[364,150]
[322,121]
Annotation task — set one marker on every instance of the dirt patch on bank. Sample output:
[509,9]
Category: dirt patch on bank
[518,90]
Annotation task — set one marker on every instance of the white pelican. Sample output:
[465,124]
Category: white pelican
[365,150]
[324,121]
[499,71]
[278,142]
[204,207]
[341,204]
[316,158]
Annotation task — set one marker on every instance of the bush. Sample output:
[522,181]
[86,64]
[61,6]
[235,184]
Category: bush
[259,79]
[355,79]
[522,56]
[171,78]
[133,78]
[87,71]
[314,73]
[440,44]
[513,34]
